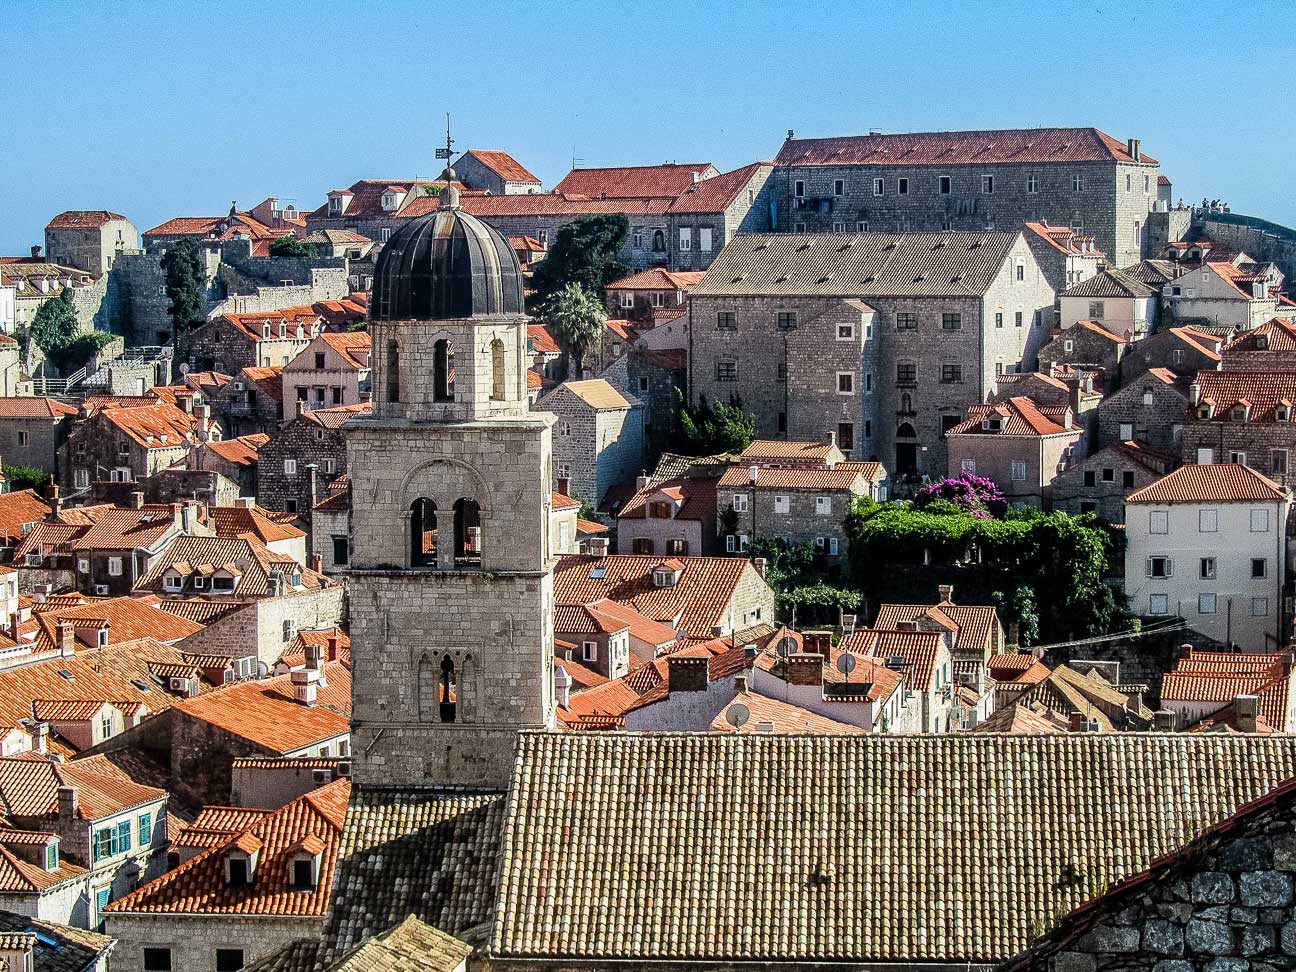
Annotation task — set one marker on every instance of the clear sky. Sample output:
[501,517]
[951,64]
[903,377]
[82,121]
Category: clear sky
[158,110]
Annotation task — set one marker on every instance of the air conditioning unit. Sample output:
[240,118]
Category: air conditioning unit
[343,768]
[101,590]
[34,559]
[179,685]
[320,776]
[848,624]
[238,386]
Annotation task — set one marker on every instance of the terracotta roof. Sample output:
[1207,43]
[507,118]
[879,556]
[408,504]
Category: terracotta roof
[717,194]
[697,494]
[412,946]
[198,886]
[1221,483]
[1206,344]
[1017,668]
[339,313]
[1021,719]
[1234,276]
[28,407]
[633,181]
[594,392]
[1279,335]
[545,204]
[1096,328]
[18,508]
[767,715]
[238,521]
[242,451]
[919,649]
[1033,145]
[335,416]
[366,197]
[843,476]
[83,219]
[1205,676]
[606,615]
[1155,273]
[20,876]
[124,528]
[561,501]
[1110,282]
[1019,416]
[589,527]
[1065,239]
[294,655]
[252,323]
[353,346]
[199,610]
[1227,719]
[252,561]
[267,712]
[158,426]
[29,788]
[337,496]
[128,619]
[1262,389]
[210,226]
[503,165]
[582,676]
[788,449]
[973,625]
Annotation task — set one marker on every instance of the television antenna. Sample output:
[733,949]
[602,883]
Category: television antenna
[737,715]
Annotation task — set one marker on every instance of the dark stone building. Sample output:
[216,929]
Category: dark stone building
[1244,417]
[1148,410]
[285,481]
[1100,483]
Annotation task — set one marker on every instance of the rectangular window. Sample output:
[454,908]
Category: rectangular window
[845,383]
[999,319]
[145,829]
[1077,183]
[1205,603]
[643,545]
[781,372]
[832,547]
[1159,604]
[839,187]
[786,320]
[686,238]
[727,320]
[114,566]
[1017,317]
[636,239]
[906,373]
[1205,456]
[845,332]
[798,188]
[862,226]
[1278,462]
[1158,521]
[906,322]
[1259,568]
[290,467]
[740,502]
[944,185]
[726,371]
[951,322]
[1127,479]
[731,543]
[1126,431]
[987,184]
[1259,607]
[1032,183]
[1237,458]
[626,301]
[124,835]
[157,959]
[1108,475]
[951,374]
[781,504]
[1018,471]
[1089,478]
[589,651]
[1259,521]
[1160,567]
[902,187]
[1208,568]
[229,959]
[839,227]
[1129,182]
[1097,309]
[968,466]
[845,436]
[879,187]
[677,546]
[823,506]
[704,239]
[1207,521]
[341,550]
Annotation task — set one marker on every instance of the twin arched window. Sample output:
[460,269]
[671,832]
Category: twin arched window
[423,533]
[425,537]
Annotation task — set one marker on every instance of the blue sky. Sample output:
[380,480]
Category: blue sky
[158,111]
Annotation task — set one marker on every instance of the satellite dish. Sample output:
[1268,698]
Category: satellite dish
[786,646]
[184,367]
[737,715]
[845,663]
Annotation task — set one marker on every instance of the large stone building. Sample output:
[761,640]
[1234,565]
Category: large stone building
[598,437]
[89,240]
[989,180]
[308,453]
[883,341]
[1244,417]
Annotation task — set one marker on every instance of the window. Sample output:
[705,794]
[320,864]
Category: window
[172,583]
[1126,431]
[704,239]
[1018,471]
[1259,567]
[1205,603]
[303,873]
[643,545]
[786,320]
[1205,456]
[906,322]
[839,187]
[726,371]
[798,227]
[1237,458]
[845,383]
[1259,521]
[157,959]
[1147,183]
[686,237]
[740,502]
[845,332]
[643,384]
[845,436]
[862,226]
[781,504]
[636,239]
[1097,309]
[1077,183]
[1160,567]
[951,322]
[879,187]
[1207,521]
[341,550]
[798,188]
[1278,462]
[1159,604]
[1127,479]
[1089,478]
[944,186]
[678,546]
[1208,568]
[290,467]
[1017,317]
[290,506]
[1259,607]
[823,506]
[906,373]
[951,374]
[968,466]
[781,372]
[839,227]
[1158,521]
[626,301]
[727,320]
[589,651]
[902,187]
[114,566]
[229,959]
[145,829]
[1108,475]
[987,184]
[1032,183]
[1129,181]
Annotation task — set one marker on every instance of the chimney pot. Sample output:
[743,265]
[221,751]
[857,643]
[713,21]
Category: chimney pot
[1077,722]
[1163,720]
[740,684]
[68,802]
[1247,708]
[317,563]
[946,592]
[641,482]
[67,639]
[136,500]
[760,564]
[686,674]
[334,648]
[305,684]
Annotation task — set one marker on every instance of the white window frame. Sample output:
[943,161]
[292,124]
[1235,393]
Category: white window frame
[782,504]
[290,467]
[832,547]
[704,239]
[1159,521]
[114,566]
[987,184]
[589,651]
[1032,183]
[1260,521]
[1208,521]
[1018,470]
[1167,568]
[1205,456]
[846,332]
[846,378]
[823,506]
[740,503]
[1207,603]
[879,187]
[686,238]
[172,583]
[625,300]
[1259,607]
[967,466]
[1158,599]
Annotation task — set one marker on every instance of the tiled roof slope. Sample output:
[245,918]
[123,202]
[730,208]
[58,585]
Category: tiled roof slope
[767,715]
[198,885]
[1110,283]
[242,451]
[787,449]
[335,416]
[128,619]
[844,475]
[20,876]
[1262,389]
[594,392]
[1277,334]
[124,528]
[58,948]
[348,343]
[940,848]
[18,508]
[300,955]
[412,946]
[1019,416]
[657,278]
[251,557]
[83,219]
[633,181]
[858,265]
[429,852]
[1218,483]
[1034,145]
[503,165]
[154,426]
[28,407]
[237,521]
[29,788]
[718,193]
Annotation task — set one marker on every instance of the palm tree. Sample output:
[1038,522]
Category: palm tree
[576,317]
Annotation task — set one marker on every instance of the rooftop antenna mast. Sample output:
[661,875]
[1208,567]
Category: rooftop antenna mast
[445,153]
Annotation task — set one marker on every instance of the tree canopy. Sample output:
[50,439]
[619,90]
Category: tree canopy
[292,246]
[584,253]
[184,287]
[54,326]
[576,318]
[705,429]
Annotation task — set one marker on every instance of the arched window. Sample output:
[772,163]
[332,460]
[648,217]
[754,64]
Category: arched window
[443,374]
[497,370]
[659,241]
[906,431]
[467,533]
[393,371]
[448,690]
[423,533]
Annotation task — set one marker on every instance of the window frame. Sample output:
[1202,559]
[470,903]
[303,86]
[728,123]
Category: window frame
[845,383]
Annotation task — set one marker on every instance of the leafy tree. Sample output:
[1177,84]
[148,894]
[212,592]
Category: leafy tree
[705,430]
[25,477]
[184,289]
[966,492]
[292,246]
[577,318]
[54,325]
[78,353]
[584,252]
[787,565]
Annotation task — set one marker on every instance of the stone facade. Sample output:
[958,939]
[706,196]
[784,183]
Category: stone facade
[223,346]
[1100,483]
[1207,294]
[249,404]
[813,516]
[285,482]
[595,447]
[91,242]
[1088,347]
[33,440]
[476,174]
[656,380]
[96,449]
[1149,409]
[193,940]
[1265,444]
[1023,466]
[1182,351]
[268,625]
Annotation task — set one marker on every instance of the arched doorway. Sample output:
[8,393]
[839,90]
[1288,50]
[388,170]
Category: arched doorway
[906,462]
[467,533]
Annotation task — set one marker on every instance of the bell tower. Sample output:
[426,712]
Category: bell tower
[451,576]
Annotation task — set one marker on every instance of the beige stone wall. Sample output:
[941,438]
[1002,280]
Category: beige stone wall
[193,939]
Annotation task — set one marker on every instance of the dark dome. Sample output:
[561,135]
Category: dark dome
[446,264]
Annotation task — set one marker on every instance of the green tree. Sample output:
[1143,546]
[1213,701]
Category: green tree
[25,477]
[78,352]
[577,319]
[184,290]
[54,325]
[705,430]
[585,253]
[291,246]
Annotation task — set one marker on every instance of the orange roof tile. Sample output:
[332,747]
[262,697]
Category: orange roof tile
[23,877]
[353,346]
[128,619]
[242,451]
[788,449]
[843,476]
[1222,483]
[334,416]
[156,426]
[503,165]
[1033,145]
[29,788]
[123,528]
[17,509]
[658,278]
[633,181]
[28,407]
[244,555]
[919,649]
[765,714]
[1019,416]
[1096,328]
[542,342]
[1278,334]
[718,193]
[238,521]
[84,219]
[561,501]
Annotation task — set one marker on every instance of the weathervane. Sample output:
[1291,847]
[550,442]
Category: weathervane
[444,153]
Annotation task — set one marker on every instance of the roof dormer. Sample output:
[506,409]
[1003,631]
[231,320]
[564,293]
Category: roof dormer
[993,422]
[338,201]
[392,198]
[305,858]
[241,861]
[667,573]
[1283,410]
[1241,411]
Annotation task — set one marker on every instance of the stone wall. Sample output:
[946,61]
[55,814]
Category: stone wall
[1258,238]
[641,375]
[304,442]
[33,442]
[1158,424]
[202,758]
[193,939]
[270,787]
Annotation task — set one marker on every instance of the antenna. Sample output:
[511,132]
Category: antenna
[737,715]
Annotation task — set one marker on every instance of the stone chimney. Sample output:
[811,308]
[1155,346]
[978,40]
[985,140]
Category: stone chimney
[1132,146]
[740,684]
[305,686]
[946,592]
[687,673]
[641,482]
[40,737]
[68,802]
[204,423]
[136,500]
[1194,393]
[562,687]
[804,669]
[334,648]
[67,639]
[1247,708]
[317,563]
[564,485]
[35,251]
[1163,720]
[315,663]
[819,642]
[52,497]
[186,403]
[1076,722]
[598,546]
[761,565]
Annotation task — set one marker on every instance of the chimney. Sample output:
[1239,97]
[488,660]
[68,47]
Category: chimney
[1076,722]
[186,403]
[804,669]
[641,482]
[1132,147]
[1247,708]
[598,546]
[1076,389]
[832,438]
[317,563]
[312,476]
[334,648]
[35,251]
[136,500]
[305,688]
[562,687]
[564,485]
[204,423]
[185,520]
[760,564]
[1194,393]
[67,802]
[686,673]
[740,684]
[946,592]
[52,497]
[817,642]
[1163,720]
[315,663]
[67,639]
[274,583]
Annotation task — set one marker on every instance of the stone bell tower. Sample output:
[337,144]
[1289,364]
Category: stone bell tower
[451,576]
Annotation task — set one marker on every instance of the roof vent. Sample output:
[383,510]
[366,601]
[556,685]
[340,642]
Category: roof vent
[803,246]
[845,246]
[938,245]
[762,245]
[738,278]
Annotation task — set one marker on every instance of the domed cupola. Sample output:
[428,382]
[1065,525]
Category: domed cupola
[446,264]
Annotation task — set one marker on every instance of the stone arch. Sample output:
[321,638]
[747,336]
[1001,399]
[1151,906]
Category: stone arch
[906,431]
[498,382]
[427,678]
[423,533]
[443,371]
[469,482]
[447,689]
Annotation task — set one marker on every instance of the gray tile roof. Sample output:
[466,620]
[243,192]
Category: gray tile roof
[858,265]
[811,848]
[1111,283]
[430,852]
[58,948]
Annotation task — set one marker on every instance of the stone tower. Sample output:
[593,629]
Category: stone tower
[451,576]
